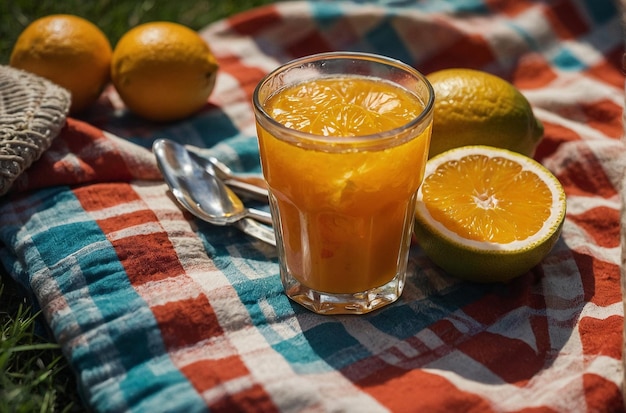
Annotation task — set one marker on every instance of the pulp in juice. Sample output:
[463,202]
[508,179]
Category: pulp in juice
[345,206]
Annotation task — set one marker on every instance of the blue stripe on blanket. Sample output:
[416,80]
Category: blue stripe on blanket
[456,6]
[601,11]
[564,59]
[327,14]
[385,40]
[204,130]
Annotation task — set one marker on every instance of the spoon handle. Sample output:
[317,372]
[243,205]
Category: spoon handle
[256,230]
[261,216]
[251,180]
[248,189]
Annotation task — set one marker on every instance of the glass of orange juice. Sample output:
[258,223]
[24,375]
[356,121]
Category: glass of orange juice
[343,139]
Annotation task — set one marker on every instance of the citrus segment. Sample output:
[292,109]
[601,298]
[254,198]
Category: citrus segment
[488,214]
[343,107]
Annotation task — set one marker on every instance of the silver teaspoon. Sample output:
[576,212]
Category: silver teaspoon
[248,186]
[206,196]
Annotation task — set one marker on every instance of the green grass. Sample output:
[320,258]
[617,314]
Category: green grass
[114,17]
[34,375]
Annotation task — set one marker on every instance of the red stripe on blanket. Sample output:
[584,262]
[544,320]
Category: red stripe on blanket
[533,72]
[565,20]
[79,154]
[187,322]
[610,70]
[515,361]
[147,257]
[310,44]
[146,251]
[211,373]
[601,280]
[104,163]
[247,76]
[410,391]
[601,395]
[553,136]
[509,7]
[124,221]
[253,399]
[540,409]
[585,176]
[605,116]
[469,50]
[598,337]
[602,224]
[214,374]
[101,196]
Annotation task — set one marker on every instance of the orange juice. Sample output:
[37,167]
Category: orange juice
[345,200]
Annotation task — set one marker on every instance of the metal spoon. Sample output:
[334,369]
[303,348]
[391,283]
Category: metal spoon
[248,186]
[206,196]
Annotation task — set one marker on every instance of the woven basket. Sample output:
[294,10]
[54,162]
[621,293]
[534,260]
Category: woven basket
[32,112]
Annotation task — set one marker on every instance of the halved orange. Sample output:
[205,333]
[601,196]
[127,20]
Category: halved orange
[488,214]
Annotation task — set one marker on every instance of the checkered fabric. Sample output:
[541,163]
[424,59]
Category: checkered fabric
[159,312]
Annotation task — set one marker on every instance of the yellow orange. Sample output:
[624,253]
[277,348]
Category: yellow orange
[163,71]
[473,107]
[68,50]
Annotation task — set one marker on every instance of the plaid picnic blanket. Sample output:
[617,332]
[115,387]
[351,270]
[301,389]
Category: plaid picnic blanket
[158,311]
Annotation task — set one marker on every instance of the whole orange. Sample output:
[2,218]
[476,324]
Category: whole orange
[68,50]
[163,71]
[473,107]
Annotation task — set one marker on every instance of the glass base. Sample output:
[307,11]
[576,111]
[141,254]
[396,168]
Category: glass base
[352,303]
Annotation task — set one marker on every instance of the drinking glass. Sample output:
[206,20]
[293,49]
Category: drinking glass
[343,140]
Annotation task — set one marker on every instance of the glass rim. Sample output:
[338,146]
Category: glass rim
[311,137]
